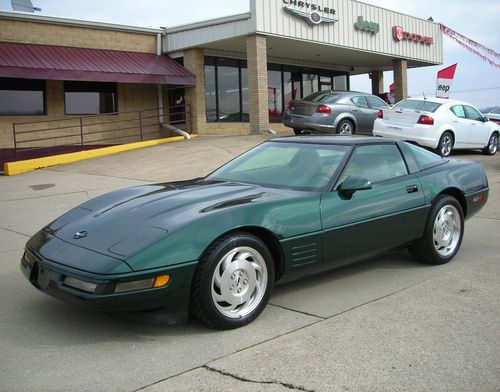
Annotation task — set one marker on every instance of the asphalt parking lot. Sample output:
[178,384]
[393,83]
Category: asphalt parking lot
[387,324]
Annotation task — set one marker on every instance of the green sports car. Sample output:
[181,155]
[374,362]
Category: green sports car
[214,247]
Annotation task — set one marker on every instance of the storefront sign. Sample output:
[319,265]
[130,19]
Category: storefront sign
[313,14]
[364,25]
[400,34]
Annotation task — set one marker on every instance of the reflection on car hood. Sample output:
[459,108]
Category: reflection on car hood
[123,222]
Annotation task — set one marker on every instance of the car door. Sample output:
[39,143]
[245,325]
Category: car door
[362,113]
[480,129]
[375,104]
[461,125]
[391,213]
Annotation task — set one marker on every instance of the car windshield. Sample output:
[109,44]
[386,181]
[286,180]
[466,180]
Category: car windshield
[285,165]
[322,96]
[415,104]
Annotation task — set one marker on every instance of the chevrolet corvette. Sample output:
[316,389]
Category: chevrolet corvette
[214,247]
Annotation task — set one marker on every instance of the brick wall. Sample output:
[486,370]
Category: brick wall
[257,83]
[82,37]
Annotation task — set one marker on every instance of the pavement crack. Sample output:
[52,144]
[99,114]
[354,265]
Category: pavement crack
[244,379]
[298,311]
[16,232]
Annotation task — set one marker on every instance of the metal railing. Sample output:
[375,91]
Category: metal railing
[70,134]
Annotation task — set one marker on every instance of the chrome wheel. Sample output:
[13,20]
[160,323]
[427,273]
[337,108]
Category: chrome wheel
[239,282]
[447,230]
[345,128]
[446,144]
[493,144]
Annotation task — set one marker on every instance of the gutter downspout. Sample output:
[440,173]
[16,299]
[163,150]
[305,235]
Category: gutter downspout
[159,86]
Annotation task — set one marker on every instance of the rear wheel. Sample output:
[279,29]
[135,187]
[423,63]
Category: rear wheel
[492,147]
[345,127]
[297,131]
[442,234]
[233,281]
[445,144]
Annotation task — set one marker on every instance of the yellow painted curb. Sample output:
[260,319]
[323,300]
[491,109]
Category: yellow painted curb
[19,167]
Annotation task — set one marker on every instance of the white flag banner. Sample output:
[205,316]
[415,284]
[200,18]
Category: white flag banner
[444,81]
[443,88]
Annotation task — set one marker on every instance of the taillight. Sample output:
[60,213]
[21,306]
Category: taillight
[323,109]
[426,120]
[380,114]
[289,106]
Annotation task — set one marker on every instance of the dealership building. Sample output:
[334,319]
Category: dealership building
[232,75]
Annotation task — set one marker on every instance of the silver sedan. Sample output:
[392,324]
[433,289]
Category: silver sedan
[340,112]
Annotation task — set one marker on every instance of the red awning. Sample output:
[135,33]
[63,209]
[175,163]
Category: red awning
[51,62]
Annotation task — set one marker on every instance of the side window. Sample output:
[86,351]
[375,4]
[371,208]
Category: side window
[376,163]
[359,101]
[472,113]
[425,158]
[458,111]
[376,103]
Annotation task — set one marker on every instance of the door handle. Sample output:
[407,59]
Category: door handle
[411,189]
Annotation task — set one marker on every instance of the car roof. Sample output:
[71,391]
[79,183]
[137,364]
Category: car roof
[440,100]
[334,140]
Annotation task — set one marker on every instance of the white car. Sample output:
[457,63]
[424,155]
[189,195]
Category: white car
[440,124]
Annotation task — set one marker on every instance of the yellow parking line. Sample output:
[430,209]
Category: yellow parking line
[19,167]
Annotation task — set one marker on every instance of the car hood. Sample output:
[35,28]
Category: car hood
[123,222]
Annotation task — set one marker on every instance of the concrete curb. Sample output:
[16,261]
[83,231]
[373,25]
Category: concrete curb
[19,167]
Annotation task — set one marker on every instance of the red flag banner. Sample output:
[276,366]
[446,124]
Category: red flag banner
[471,45]
[444,81]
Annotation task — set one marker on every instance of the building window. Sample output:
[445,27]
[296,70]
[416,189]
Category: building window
[90,98]
[310,83]
[22,97]
[340,82]
[226,88]
[275,93]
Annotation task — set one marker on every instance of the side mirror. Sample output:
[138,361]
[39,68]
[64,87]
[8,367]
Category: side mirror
[485,119]
[353,184]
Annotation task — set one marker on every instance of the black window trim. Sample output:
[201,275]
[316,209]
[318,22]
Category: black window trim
[90,87]
[20,84]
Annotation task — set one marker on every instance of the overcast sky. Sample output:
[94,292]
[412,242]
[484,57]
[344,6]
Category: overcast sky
[475,80]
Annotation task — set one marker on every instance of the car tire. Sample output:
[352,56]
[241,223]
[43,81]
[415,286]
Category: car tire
[232,282]
[297,131]
[492,146]
[443,232]
[346,127]
[445,144]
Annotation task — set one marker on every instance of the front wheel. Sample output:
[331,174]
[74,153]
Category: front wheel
[233,281]
[445,144]
[492,147]
[443,232]
[297,131]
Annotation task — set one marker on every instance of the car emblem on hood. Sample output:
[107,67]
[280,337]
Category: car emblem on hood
[80,234]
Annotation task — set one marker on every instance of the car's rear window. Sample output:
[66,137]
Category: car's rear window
[415,104]
[322,96]
[285,165]
[425,158]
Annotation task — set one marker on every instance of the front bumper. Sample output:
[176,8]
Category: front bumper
[48,277]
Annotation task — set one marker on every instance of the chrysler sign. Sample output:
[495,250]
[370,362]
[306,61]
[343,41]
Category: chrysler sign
[400,34]
[313,14]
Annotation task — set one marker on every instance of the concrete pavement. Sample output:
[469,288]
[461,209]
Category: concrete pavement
[386,324]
